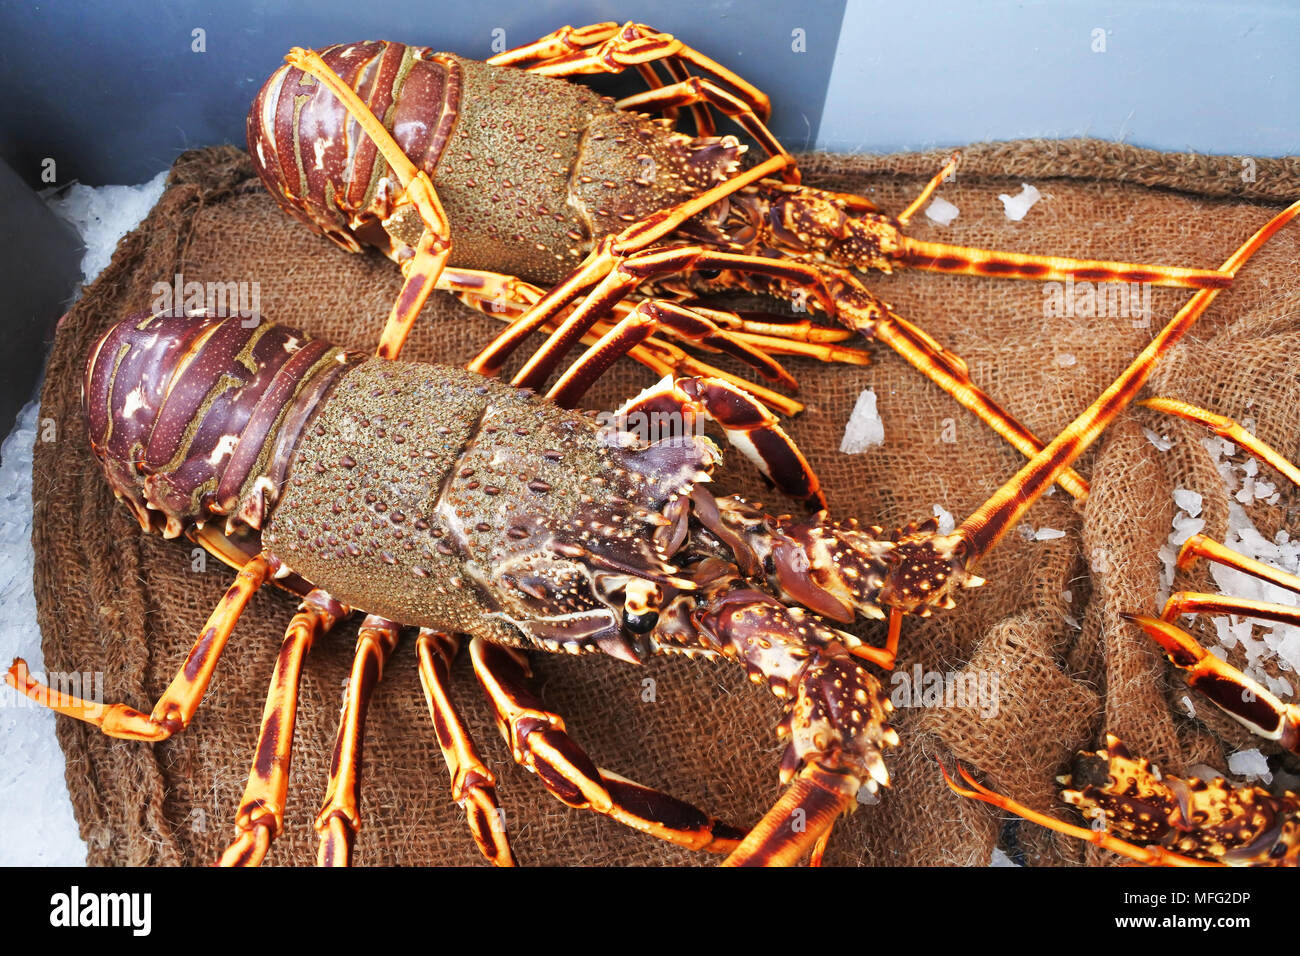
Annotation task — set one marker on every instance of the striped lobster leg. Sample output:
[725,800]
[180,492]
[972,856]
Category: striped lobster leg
[260,818]
[540,742]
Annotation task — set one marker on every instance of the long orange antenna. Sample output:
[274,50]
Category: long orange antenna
[1004,509]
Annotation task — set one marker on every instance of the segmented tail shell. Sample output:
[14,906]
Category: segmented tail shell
[194,416]
[313,158]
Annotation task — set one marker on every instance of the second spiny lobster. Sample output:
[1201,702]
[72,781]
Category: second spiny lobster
[536,200]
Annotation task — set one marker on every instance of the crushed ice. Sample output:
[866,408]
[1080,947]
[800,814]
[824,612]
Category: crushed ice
[103,215]
[946,522]
[1250,763]
[864,428]
[941,211]
[1161,442]
[1017,206]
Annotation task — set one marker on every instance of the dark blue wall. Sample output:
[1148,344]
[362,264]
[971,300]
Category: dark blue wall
[113,92]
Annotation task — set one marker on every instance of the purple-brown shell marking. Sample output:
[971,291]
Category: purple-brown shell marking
[314,158]
[194,416]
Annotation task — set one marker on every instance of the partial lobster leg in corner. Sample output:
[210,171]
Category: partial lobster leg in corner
[260,818]
[472,784]
[1232,691]
[1160,819]
[1242,698]
[179,702]
[1149,855]
[539,741]
[340,817]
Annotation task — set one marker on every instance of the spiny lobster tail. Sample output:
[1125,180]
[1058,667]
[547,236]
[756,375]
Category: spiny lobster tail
[338,178]
[1198,818]
[183,412]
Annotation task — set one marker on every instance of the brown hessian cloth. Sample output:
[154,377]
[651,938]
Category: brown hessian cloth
[1045,633]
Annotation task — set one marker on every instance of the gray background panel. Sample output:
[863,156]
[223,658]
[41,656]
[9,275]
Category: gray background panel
[113,92]
[1209,77]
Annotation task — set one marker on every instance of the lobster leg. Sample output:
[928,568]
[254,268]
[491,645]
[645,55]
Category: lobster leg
[797,823]
[611,48]
[1150,855]
[1226,428]
[418,197]
[539,742]
[179,702]
[599,264]
[695,90]
[340,817]
[1239,696]
[674,404]
[508,298]
[260,818]
[1199,546]
[615,274]
[905,217]
[622,338]
[472,784]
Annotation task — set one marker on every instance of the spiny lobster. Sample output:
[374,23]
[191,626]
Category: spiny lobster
[436,498]
[452,167]
[1166,820]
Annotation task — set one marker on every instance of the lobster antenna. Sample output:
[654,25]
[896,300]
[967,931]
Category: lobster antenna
[1004,509]
[965,260]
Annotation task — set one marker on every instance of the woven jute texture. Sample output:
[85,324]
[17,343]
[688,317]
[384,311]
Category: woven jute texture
[1053,664]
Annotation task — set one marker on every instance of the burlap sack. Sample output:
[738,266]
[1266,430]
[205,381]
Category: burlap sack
[1046,626]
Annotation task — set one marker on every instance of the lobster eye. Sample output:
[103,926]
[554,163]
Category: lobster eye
[641,623]
[641,598]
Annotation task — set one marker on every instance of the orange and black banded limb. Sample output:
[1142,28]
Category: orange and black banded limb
[260,818]
[1237,694]
[611,48]
[436,498]
[540,742]
[339,820]
[1159,819]
[600,182]
[473,785]
[1165,820]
